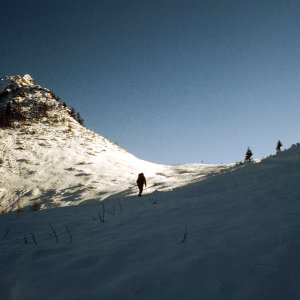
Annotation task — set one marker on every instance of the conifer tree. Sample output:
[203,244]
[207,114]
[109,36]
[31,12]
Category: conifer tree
[79,119]
[248,156]
[73,113]
[279,145]
[5,116]
[8,110]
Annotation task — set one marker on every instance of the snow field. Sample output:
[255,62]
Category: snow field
[198,232]
[242,242]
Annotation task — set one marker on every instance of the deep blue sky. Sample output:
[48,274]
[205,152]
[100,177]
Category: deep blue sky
[171,81]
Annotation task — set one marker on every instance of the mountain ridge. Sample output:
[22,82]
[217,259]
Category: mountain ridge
[49,158]
[21,99]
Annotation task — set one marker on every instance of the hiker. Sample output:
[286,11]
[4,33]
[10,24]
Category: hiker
[141,181]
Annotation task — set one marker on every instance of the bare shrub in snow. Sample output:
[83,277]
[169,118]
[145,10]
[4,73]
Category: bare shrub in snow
[185,235]
[101,214]
[56,238]
[33,238]
[69,233]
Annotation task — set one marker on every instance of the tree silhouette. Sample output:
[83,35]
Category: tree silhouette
[5,116]
[73,113]
[79,119]
[248,156]
[279,145]
[8,110]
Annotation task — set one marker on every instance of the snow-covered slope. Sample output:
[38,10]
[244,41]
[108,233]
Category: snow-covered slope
[232,236]
[49,159]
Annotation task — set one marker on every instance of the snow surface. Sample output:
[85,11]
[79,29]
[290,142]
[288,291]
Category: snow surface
[198,232]
[242,242]
[53,160]
[58,167]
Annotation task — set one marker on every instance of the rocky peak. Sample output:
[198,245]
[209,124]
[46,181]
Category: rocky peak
[18,81]
[22,100]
